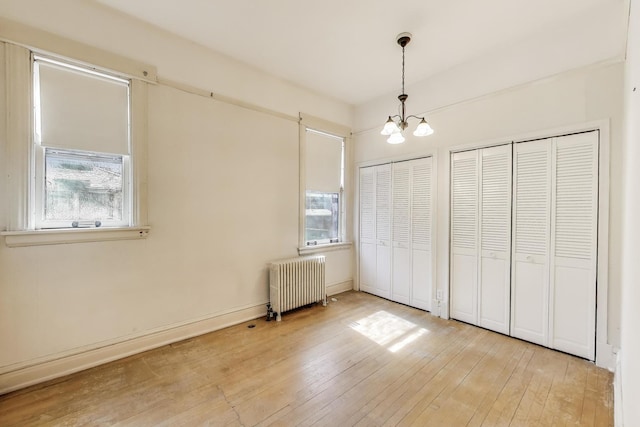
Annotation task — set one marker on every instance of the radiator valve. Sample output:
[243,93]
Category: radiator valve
[269,312]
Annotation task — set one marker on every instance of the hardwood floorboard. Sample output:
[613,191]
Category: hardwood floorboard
[360,361]
[427,381]
[447,407]
[501,370]
[400,390]
[510,396]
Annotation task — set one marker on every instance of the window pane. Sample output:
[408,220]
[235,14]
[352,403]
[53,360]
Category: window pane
[82,186]
[322,213]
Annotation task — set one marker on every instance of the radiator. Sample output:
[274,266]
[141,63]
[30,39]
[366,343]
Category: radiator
[295,282]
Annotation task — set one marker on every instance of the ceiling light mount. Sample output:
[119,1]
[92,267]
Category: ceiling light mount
[403,39]
[396,124]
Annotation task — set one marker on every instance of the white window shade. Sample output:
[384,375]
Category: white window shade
[81,110]
[323,162]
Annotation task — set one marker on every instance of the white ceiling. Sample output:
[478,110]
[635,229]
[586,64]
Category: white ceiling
[347,48]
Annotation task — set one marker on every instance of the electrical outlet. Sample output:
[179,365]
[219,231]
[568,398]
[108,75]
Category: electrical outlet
[439,295]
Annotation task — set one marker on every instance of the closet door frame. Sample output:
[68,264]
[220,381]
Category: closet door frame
[605,356]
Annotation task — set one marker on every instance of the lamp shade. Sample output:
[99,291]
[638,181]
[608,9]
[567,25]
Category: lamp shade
[396,138]
[423,129]
[390,127]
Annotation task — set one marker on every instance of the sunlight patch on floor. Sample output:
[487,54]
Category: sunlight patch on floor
[388,330]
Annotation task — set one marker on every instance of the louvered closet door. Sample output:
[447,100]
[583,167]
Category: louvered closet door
[367,230]
[574,244]
[495,238]
[401,232]
[421,233]
[383,231]
[530,246]
[464,240]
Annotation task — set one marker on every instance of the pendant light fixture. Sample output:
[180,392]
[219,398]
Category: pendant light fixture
[396,124]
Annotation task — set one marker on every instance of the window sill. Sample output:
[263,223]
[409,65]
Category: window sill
[60,236]
[308,250]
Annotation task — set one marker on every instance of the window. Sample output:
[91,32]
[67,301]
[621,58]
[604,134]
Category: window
[72,124]
[324,182]
[81,147]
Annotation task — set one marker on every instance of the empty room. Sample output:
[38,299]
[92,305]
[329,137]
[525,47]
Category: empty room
[296,213]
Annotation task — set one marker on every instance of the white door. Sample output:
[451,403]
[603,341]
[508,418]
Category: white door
[574,244]
[401,256]
[396,233]
[495,238]
[367,230]
[530,246]
[383,230]
[421,233]
[464,237]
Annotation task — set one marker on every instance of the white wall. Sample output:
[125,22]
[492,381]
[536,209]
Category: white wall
[574,45]
[630,342]
[223,202]
[575,97]
[175,58]
[3,118]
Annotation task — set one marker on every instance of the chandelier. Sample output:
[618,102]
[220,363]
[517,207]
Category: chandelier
[396,124]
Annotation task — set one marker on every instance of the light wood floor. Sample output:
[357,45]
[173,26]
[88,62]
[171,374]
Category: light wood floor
[360,361]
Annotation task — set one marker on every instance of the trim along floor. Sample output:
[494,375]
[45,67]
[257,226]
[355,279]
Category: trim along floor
[361,360]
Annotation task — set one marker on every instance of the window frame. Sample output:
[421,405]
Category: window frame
[313,124]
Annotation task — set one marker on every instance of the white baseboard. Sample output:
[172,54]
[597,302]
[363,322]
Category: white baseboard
[58,366]
[617,393]
[340,287]
[606,356]
[444,310]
